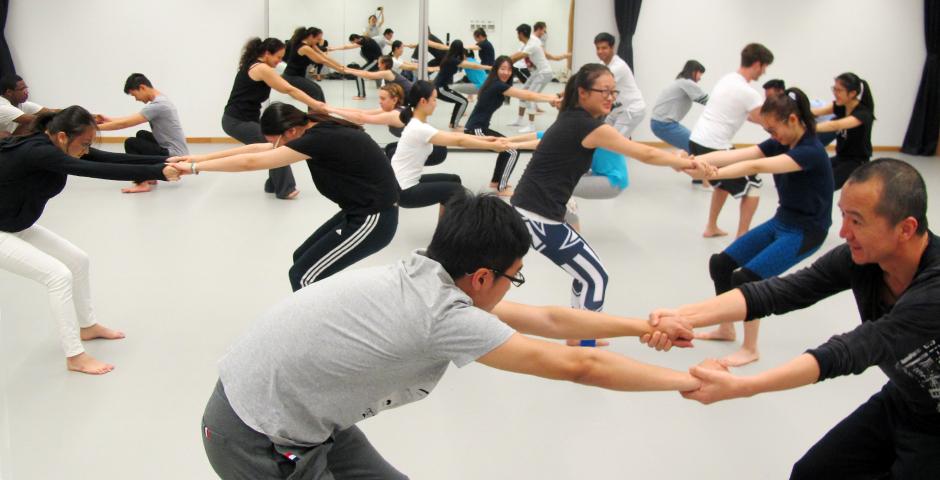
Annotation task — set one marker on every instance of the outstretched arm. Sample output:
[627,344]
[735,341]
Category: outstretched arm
[844,123]
[319,57]
[457,139]
[250,148]
[275,81]
[609,138]
[244,162]
[386,75]
[122,122]
[718,384]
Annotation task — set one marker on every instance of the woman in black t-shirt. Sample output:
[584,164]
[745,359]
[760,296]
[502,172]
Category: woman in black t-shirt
[347,167]
[561,157]
[452,62]
[495,89]
[854,109]
[302,51]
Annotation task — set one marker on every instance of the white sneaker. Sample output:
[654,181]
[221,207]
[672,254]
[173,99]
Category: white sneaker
[529,128]
[518,123]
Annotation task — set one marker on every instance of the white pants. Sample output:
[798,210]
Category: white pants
[625,121]
[38,254]
[536,83]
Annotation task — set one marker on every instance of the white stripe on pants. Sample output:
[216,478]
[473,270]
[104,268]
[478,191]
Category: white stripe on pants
[310,276]
[536,83]
[360,83]
[40,255]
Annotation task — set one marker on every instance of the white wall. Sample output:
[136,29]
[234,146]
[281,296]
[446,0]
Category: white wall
[812,42]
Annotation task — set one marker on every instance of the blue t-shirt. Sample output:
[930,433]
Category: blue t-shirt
[806,195]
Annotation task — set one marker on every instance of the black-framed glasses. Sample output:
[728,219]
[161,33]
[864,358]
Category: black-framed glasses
[606,93]
[518,280]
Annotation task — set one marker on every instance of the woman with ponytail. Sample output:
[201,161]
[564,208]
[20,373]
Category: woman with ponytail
[454,60]
[302,51]
[347,167]
[803,177]
[854,110]
[417,144]
[33,170]
[252,87]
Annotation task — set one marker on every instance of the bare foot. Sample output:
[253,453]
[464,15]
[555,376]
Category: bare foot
[721,334]
[293,195]
[714,232]
[100,331]
[137,188]
[85,363]
[577,343]
[152,182]
[359,98]
[743,356]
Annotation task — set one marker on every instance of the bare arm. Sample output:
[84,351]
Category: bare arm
[437,45]
[250,148]
[607,137]
[718,384]
[381,118]
[275,81]
[561,322]
[386,75]
[322,58]
[563,56]
[245,162]
[123,122]
[474,66]
[457,139]
[754,116]
[823,110]
[529,96]
[587,366]
[723,158]
[518,56]
[776,164]
[844,123]
[348,46]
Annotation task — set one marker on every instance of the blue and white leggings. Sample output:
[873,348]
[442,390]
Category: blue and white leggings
[567,249]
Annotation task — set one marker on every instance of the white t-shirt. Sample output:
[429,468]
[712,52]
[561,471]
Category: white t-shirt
[9,113]
[630,96]
[396,65]
[413,150]
[728,105]
[536,54]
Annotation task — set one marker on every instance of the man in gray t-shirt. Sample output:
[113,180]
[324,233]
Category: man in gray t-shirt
[166,137]
[337,352]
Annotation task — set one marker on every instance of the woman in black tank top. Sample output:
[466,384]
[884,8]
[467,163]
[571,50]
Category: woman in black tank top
[252,87]
[385,73]
[303,51]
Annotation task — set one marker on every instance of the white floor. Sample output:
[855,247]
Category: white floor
[184,269]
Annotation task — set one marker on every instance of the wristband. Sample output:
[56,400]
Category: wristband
[193,169]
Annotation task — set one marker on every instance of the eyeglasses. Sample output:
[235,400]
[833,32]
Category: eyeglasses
[518,280]
[606,93]
[836,88]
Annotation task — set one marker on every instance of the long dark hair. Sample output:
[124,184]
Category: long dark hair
[73,121]
[494,72]
[690,68]
[302,33]
[792,102]
[279,117]
[457,51]
[585,79]
[422,89]
[854,83]
[256,47]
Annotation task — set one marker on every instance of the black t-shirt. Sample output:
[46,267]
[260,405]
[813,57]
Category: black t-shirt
[556,165]
[33,170]
[487,53]
[806,195]
[402,82]
[437,54]
[854,142]
[488,101]
[370,50]
[448,69]
[348,167]
[297,62]
[903,339]
[244,103]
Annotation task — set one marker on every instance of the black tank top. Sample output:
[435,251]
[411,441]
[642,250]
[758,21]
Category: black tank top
[395,130]
[244,103]
[403,82]
[297,62]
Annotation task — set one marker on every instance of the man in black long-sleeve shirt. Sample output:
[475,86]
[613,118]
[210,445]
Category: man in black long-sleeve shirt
[891,262]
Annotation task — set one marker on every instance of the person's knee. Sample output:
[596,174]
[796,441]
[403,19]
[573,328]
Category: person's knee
[59,277]
[743,275]
[721,266]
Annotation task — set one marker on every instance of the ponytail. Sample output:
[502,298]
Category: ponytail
[73,121]
[854,83]
[422,89]
[584,79]
[255,47]
[792,102]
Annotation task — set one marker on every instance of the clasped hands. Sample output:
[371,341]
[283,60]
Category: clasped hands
[697,169]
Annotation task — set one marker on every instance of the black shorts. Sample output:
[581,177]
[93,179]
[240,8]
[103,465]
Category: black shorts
[737,187]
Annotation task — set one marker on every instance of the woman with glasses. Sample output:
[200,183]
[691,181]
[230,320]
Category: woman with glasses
[33,170]
[562,157]
[854,109]
[347,166]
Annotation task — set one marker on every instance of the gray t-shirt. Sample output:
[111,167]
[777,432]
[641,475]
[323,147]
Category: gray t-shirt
[165,124]
[346,348]
[675,101]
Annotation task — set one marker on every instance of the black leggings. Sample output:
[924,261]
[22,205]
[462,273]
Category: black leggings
[842,168]
[280,180]
[340,242]
[144,143]
[505,161]
[304,84]
[522,74]
[460,103]
[436,157]
[431,188]
[360,83]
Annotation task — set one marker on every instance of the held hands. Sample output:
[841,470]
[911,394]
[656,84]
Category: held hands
[717,383]
[182,168]
[171,173]
[700,170]
[99,119]
[671,330]
[500,144]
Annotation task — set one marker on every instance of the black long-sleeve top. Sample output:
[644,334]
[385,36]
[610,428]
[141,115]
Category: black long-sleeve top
[903,339]
[33,170]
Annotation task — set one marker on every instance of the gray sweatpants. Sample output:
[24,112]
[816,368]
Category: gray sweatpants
[238,452]
[280,180]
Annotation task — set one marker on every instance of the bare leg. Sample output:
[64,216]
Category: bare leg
[718,200]
[506,192]
[85,363]
[724,333]
[748,207]
[748,352]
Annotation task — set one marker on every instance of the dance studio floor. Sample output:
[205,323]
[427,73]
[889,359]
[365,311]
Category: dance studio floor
[183,270]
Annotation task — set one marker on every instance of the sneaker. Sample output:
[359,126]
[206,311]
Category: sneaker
[518,123]
[529,128]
